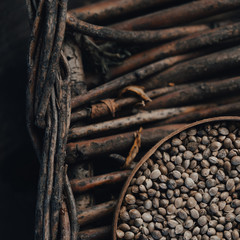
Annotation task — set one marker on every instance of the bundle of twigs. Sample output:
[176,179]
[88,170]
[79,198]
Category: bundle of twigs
[123,75]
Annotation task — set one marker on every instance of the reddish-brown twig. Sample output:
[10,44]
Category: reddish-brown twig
[196,93]
[94,213]
[82,185]
[116,143]
[95,233]
[126,122]
[178,15]
[128,79]
[198,40]
[201,67]
[65,231]
[131,37]
[110,9]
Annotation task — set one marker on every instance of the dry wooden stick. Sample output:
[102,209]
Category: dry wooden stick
[82,185]
[227,109]
[110,9]
[95,233]
[131,37]
[128,79]
[53,63]
[50,168]
[48,34]
[65,231]
[116,143]
[63,126]
[94,213]
[33,61]
[74,57]
[198,40]
[196,93]
[72,207]
[101,109]
[42,183]
[178,15]
[203,67]
[126,122]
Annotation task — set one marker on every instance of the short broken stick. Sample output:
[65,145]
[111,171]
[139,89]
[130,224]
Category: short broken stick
[82,185]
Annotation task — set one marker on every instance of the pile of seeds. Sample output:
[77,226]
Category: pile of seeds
[189,189]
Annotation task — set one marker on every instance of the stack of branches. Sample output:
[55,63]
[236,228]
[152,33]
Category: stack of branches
[133,71]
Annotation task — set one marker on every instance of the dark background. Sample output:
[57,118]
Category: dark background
[18,164]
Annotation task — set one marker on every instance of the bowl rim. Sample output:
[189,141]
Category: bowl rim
[151,152]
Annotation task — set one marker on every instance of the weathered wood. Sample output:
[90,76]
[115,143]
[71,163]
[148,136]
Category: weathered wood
[196,93]
[178,15]
[111,9]
[95,233]
[228,109]
[65,231]
[126,122]
[74,57]
[101,109]
[128,79]
[82,185]
[131,37]
[116,143]
[71,207]
[94,213]
[201,67]
[207,38]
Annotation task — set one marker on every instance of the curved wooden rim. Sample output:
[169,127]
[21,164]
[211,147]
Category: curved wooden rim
[150,153]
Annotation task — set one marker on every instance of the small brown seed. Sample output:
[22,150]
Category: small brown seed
[140,180]
[138,222]
[206,198]
[129,235]
[210,183]
[194,214]
[176,174]
[134,213]
[215,146]
[235,160]
[147,217]
[156,234]
[120,233]
[162,211]
[171,209]
[219,227]
[130,199]
[235,234]
[202,221]
[189,223]
[230,184]
[198,197]
[191,202]
[155,174]
[178,202]
[182,214]
[205,172]
[211,232]
[176,142]
[230,217]
[172,223]
[187,235]
[213,191]
[179,229]
[189,183]
[235,203]
[238,218]
[213,160]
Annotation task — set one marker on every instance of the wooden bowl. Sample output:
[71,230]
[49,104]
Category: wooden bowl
[152,151]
